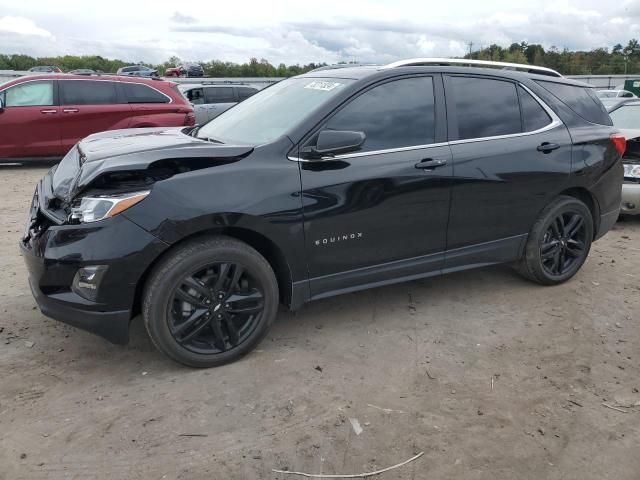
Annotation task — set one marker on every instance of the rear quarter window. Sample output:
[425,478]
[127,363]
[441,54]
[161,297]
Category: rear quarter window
[582,100]
[140,93]
[534,117]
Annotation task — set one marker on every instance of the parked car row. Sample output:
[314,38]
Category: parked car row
[183,70]
[44,116]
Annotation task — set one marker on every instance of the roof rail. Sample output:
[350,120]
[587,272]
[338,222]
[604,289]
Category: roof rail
[473,63]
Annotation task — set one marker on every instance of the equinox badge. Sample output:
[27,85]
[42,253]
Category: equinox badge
[338,238]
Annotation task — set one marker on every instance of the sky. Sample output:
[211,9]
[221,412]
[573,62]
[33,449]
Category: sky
[289,31]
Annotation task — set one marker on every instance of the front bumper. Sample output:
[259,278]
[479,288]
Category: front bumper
[54,253]
[68,308]
[630,198]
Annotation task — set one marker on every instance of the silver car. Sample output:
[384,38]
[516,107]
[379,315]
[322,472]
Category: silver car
[626,117]
[209,101]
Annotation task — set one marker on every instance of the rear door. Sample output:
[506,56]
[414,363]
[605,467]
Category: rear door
[90,106]
[511,156]
[218,99]
[29,122]
[380,214]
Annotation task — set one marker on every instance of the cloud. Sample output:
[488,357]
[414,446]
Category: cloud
[178,17]
[21,26]
[290,31]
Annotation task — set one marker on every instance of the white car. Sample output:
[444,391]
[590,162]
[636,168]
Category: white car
[626,117]
[615,94]
[209,101]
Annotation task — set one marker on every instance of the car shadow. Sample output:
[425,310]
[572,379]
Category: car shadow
[292,329]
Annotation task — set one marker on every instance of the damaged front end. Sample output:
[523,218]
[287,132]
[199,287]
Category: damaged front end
[91,183]
[84,259]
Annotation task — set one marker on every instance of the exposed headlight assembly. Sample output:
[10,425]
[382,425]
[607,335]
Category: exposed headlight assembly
[631,170]
[92,209]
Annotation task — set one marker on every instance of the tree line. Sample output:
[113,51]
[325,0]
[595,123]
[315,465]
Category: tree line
[600,61]
[213,68]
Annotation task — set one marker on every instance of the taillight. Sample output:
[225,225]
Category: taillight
[619,143]
[190,119]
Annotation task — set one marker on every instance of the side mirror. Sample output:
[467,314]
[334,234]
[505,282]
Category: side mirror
[333,142]
[1,105]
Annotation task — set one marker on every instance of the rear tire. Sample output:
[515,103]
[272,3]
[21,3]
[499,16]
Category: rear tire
[210,301]
[559,242]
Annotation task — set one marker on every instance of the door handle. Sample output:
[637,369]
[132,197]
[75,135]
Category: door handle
[49,111]
[70,110]
[546,147]
[431,163]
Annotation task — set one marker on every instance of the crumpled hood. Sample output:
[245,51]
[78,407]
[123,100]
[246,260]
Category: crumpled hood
[133,140]
[136,149]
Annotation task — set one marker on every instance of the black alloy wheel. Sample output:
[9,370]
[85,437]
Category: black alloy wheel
[558,243]
[563,243]
[210,301]
[215,308]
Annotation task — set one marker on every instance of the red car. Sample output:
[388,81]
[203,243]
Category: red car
[42,117]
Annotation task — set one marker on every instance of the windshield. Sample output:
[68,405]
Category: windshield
[607,94]
[268,114]
[627,116]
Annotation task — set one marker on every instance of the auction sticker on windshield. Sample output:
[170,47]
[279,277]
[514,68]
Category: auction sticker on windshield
[324,86]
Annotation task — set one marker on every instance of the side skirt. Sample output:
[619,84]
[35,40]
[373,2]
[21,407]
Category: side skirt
[475,256]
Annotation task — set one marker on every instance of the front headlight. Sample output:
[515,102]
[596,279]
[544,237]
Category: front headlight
[92,209]
[631,170]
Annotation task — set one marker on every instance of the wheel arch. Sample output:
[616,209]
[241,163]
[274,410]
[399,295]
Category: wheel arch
[586,197]
[262,244]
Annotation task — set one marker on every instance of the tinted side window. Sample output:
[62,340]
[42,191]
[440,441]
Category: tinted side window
[581,100]
[534,117]
[195,96]
[219,95]
[485,107]
[245,92]
[87,92]
[139,93]
[400,113]
[29,94]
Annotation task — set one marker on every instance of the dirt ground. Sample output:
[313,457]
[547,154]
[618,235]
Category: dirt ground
[490,376]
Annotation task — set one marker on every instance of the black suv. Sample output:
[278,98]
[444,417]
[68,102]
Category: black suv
[322,184]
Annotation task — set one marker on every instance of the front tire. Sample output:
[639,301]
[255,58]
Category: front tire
[210,302]
[559,242]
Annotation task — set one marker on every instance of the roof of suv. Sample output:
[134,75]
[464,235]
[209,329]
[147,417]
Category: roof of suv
[484,68]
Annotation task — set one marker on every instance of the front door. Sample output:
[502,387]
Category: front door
[380,214]
[29,122]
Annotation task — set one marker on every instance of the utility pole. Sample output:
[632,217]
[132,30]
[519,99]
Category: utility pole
[470,48]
